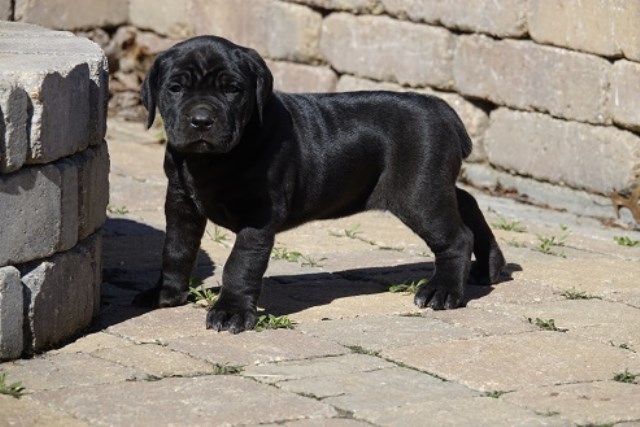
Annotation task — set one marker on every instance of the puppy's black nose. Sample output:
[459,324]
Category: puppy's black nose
[201,119]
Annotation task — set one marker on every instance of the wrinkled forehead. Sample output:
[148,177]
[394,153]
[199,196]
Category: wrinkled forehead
[206,60]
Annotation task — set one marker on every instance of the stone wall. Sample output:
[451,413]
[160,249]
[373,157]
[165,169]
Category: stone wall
[54,186]
[549,90]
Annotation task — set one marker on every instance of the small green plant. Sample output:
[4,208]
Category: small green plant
[226,369]
[626,241]
[503,224]
[269,321]
[548,243]
[409,287]
[352,232]
[494,394]
[546,324]
[308,261]
[622,346]
[514,243]
[411,314]
[361,350]
[219,236]
[14,389]
[574,294]
[625,377]
[285,254]
[200,294]
[118,210]
[152,378]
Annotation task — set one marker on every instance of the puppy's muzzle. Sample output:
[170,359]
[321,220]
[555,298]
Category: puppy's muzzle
[201,119]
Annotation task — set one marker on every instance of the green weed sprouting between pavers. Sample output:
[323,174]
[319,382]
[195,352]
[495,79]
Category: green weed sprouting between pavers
[494,394]
[226,369]
[118,210]
[547,243]
[282,253]
[625,377]
[269,321]
[503,224]
[575,294]
[409,287]
[14,389]
[201,295]
[546,324]
[626,241]
[219,236]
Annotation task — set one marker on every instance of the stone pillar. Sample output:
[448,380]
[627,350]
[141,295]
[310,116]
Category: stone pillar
[54,188]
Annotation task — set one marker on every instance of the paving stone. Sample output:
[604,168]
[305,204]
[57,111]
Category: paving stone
[517,291]
[55,13]
[162,325]
[504,19]
[596,403]
[607,322]
[11,303]
[291,77]
[28,412]
[524,75]
[376,333]
[476,411]
[252,26]
[64,281]
[93,342]
[93,189]
[271,373]
[362,46]
[185,401]
[67,372]
[32,198]
[164,17]
[512,362]
[546,149]
[474,118]
[376,390]
[625,88]
[255,347]
[602,28]
[155,360]
[13,126]
[323,422]
[486,321]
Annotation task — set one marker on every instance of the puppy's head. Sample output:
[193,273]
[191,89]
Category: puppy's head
[207,90]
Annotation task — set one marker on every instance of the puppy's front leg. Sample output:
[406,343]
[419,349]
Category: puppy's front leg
[235,309]
[185,227]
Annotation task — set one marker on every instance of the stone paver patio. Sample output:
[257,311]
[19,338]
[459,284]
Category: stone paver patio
[540,348]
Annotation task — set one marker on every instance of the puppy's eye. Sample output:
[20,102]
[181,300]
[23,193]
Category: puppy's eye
[232,89]
[175,88]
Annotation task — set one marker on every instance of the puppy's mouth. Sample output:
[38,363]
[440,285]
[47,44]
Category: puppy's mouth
[204,145]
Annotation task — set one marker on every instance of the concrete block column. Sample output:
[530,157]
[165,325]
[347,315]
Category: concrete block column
[54,189]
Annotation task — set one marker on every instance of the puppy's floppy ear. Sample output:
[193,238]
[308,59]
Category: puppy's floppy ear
[149,90]
[264,80]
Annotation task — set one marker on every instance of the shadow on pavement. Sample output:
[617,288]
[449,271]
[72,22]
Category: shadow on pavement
[132,258]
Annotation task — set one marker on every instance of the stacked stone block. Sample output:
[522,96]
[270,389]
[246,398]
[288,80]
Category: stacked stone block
[53,185]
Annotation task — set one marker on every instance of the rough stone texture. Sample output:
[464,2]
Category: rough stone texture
[6,10]
[625,94]
[608,28]
[502,19]
[193,401]
[167,17]
[64,281]
[546,148]
[72,15]
[290,77]
[354,6]
[93,189]
[470,411]
[27,412]
[515,361]
[14,104]
[252,25]
[11,304]
[32,199]
[525,75]
[68,204]
[362,46]
[66,79]
[474,118]
[596,403]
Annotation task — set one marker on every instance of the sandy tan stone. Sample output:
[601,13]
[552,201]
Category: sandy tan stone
[27,412]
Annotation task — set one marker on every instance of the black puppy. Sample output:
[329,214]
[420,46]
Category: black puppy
[259,162]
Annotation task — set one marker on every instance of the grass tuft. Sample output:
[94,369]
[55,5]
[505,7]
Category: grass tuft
[626,241]
[625,377]
[503,224]
[226,369]
[14,389]
[269,321]
[409,287]
[546,324]
[201,295]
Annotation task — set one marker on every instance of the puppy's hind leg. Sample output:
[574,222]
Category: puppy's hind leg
[434,217]
[489,259]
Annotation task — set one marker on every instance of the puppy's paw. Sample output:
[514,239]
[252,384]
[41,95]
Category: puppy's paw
[232,316]
[438,297]
[160,297]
